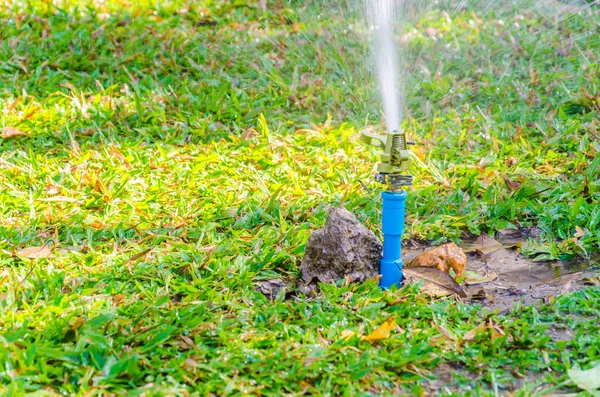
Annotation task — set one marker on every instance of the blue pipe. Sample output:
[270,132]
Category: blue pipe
[392,225]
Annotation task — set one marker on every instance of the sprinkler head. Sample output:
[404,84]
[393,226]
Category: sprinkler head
[395,159]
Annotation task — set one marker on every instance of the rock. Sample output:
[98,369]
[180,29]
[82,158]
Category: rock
[344,247]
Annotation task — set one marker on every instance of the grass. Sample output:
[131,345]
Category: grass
[174,154]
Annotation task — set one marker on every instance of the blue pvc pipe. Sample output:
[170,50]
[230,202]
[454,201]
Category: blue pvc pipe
[392,225]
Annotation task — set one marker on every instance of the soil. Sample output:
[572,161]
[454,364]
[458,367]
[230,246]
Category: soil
[519,279]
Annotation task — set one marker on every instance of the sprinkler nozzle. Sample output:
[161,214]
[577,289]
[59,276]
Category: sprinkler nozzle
[395,160]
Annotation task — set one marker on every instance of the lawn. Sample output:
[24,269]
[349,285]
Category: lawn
[161,159]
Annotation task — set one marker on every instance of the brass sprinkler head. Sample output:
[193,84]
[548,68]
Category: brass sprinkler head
[395,160]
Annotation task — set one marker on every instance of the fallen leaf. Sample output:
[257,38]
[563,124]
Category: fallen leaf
[437,283]
[469,336]
[472,278]
[118,299]
[512,185]
[35,252]
[578,232]
[86,132]
[11,132]
[139,255]
[588,380]
[496,331]
[52,190]
[120,156]
[381,332]
[484,244]
[445,257]
[346,334]
[446,332]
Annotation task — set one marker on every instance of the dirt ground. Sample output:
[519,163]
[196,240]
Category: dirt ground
[508,277]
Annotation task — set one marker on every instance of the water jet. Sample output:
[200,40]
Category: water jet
[395,160]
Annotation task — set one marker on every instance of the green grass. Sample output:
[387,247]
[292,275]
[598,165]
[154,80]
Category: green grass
[177,153]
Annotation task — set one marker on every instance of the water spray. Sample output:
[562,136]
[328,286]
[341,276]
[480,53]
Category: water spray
[392,172]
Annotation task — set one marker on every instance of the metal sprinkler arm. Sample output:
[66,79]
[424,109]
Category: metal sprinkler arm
[395,159]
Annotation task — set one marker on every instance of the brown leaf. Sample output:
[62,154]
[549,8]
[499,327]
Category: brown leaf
[139,255]
[469,336]
[446,332]
[381,332]
[483,244]
[512,185]
[118,299]
[35,252]
[445,257]
[11,132]
[52,190]
[437,283]
[120,156]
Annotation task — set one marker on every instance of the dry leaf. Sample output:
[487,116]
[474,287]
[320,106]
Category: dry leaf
[578,232]
[446,332]
[472,278]
[346,334]
[120,156]
[496,331]
[139,255]
[11,132]
[437,283]
[35,252]
[52,190]
[445,257]
[469,336]
[118,299]
[512,185]
[483,244]
[381,332]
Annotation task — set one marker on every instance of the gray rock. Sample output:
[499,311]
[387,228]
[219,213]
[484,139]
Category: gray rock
[344,247]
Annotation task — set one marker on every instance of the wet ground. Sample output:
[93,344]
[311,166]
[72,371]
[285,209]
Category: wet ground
[499,276]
